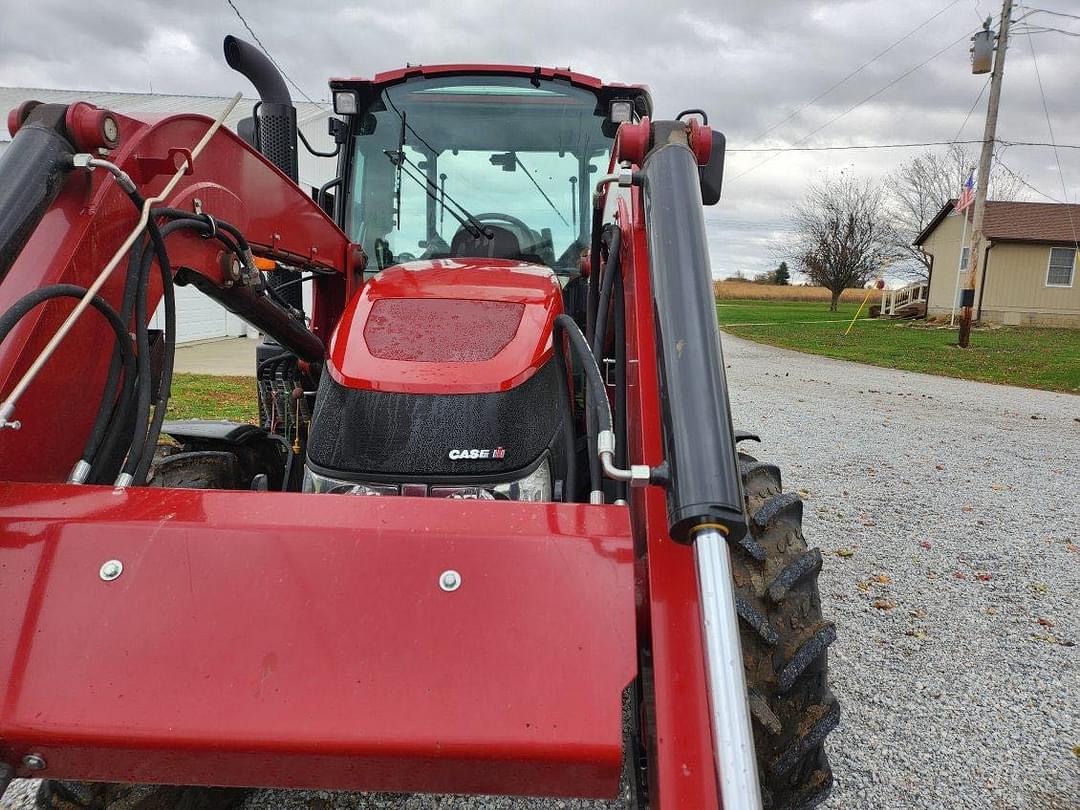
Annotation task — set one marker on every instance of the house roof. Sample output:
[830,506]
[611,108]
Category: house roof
[151,104]
[1007,221]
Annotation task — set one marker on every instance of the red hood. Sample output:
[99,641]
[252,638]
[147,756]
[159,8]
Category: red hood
[449,326]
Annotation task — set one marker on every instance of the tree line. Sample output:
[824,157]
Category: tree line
[848,230]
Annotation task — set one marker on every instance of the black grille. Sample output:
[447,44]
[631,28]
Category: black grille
[365,434]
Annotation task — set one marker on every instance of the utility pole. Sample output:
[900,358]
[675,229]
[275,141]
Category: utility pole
[967,299]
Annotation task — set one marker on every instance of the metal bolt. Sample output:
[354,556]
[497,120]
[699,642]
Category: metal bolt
[34,762]
[110,570]
[450,580]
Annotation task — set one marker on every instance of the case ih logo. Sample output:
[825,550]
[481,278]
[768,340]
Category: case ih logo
[497,452]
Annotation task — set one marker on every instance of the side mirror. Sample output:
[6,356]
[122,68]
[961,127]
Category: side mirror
[712,173]
[338,129]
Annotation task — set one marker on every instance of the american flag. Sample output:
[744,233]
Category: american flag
[967,194]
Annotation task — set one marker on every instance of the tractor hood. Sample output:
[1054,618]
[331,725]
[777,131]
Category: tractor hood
[447,326]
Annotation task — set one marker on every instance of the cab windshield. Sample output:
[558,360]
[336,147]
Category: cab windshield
[494,166]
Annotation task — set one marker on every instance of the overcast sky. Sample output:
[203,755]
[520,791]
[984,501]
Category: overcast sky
[749,63]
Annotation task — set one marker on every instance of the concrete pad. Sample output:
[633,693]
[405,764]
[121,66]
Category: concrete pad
[229,357]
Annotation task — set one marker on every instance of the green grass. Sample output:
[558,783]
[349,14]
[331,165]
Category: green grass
[1025,356]
[736,312]
[204,396]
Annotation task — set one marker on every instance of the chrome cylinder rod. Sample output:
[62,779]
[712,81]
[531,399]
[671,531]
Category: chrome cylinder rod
[733,739]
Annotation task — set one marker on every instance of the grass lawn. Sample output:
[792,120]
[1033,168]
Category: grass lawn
[1035,358]
[203,396]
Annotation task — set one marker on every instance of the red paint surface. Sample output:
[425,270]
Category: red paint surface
[302,640]
[449,291]
[430,330]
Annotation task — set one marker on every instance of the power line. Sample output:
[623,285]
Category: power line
[913,144]
[1050,128]
[855,106]
[853,73]
[1033,10]
[978,98]
[1019,179]
[281,70]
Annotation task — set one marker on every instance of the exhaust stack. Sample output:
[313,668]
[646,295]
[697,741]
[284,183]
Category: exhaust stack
[274,129]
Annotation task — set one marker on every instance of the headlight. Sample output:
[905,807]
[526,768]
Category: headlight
[313,482]
[536,486]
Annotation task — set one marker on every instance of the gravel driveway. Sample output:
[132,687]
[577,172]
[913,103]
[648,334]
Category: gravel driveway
[949,514]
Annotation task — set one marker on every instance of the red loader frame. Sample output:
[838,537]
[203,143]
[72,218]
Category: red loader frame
[241,647]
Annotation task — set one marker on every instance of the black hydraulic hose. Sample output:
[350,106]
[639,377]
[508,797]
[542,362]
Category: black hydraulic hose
[621,454]
[147,430]
[570,448]
[611,270]
[142,346]
[179,213]
[109,399]
[161,404]
[598,402]
[32,299]
[594,272]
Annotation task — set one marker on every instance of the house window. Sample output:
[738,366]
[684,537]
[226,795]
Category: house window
[1059,273]
[965,255]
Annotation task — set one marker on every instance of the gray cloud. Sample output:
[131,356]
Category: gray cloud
[748,62]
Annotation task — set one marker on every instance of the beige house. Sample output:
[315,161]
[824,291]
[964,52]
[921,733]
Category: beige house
[1029,268]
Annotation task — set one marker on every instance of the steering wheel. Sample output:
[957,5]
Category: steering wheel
[496,217]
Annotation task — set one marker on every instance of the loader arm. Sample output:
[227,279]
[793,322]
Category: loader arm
[62,224]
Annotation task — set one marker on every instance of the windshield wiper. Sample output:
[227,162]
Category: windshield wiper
[467,221]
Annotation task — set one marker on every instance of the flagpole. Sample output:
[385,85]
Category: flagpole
[959,266]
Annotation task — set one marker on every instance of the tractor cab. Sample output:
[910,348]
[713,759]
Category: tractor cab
[460,162]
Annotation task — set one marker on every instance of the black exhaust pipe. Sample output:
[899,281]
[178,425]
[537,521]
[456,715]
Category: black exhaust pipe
[275,131]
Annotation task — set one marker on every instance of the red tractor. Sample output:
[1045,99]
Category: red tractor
[571,583]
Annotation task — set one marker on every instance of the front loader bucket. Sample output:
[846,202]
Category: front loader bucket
[267,639]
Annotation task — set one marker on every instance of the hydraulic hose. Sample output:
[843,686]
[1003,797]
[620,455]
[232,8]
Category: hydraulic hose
[32,299]
[570,481]
[161,404]
[594,272]
[598,402]
[611,270]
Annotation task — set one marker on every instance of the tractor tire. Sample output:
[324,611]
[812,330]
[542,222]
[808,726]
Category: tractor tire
[785,643]
[59,795]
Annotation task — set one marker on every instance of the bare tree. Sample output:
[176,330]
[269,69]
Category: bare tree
[842,233]
[923,184]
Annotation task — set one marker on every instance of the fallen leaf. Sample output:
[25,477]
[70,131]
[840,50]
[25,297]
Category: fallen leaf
[990,611]
[958,575]
[863,586]
[1072,548]
[1040,587]
[925,544]
[884,604]
[1050,638]
[915,633]
[882,579]
[997,487]
[1046,622]
[844,552]
[918,614]
[967,507]
[1076,750]
[804,493]
[939,466]
[983,576]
